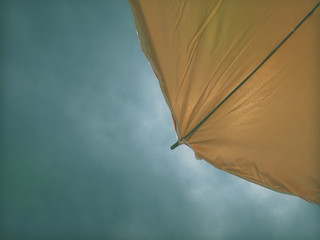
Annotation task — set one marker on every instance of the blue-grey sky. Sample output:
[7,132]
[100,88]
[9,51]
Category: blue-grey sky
[85,137]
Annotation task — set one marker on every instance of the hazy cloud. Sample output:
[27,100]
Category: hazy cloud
[86,135]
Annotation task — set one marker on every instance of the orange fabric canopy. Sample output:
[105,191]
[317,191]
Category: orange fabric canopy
[256,64]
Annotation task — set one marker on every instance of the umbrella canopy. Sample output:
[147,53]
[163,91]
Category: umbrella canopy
[242,81]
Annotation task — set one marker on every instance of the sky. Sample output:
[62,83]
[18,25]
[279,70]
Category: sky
[85,137]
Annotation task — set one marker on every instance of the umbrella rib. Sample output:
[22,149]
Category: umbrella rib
[181,140]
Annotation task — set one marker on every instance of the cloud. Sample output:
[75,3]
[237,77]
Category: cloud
[87,135]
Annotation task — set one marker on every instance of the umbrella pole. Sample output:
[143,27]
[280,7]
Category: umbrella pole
[175,145]
[249,76]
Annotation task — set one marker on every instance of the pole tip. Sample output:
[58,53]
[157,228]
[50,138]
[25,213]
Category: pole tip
[175,145]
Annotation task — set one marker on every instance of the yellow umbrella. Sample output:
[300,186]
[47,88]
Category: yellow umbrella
[242,81]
